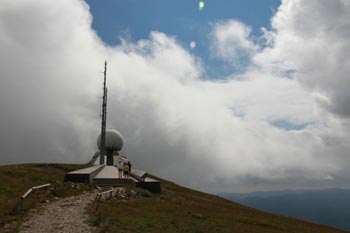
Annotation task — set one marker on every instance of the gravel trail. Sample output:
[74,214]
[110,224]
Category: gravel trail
[64,215]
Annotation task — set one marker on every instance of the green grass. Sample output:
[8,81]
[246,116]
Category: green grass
[15,180]
[180,209]
[176,209]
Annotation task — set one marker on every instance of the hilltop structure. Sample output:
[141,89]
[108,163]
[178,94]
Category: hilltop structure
[110,142]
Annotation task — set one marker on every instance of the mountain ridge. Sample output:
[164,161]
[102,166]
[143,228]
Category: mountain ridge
[329,206]
[176,209]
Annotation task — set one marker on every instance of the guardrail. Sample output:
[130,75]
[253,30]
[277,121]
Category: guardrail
[25,195]
[113,193]
[109,192]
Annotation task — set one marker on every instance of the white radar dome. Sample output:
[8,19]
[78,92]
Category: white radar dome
[114,140]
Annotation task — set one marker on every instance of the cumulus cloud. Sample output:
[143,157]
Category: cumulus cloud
[176,125]
[49,62]
[231,42]
[312,39]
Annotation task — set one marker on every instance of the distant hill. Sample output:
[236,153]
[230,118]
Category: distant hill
[176,209]
[328,207]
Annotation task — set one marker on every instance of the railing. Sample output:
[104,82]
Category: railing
[33,189]
[111,193]
[25,195]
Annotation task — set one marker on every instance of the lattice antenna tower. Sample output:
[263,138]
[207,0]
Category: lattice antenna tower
[104,117]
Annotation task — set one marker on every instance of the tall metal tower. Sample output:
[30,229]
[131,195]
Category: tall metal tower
[104,118]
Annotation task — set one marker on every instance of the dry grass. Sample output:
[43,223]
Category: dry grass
[179,209]
[17,179]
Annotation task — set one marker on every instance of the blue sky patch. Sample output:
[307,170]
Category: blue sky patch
[134,20]
[286,125]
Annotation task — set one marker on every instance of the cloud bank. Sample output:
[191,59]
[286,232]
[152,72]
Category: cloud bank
[176,125]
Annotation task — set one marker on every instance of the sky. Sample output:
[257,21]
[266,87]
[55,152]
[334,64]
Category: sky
[183,19]
[236,96]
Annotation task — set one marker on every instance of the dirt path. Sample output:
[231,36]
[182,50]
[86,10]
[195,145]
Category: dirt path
[64,215]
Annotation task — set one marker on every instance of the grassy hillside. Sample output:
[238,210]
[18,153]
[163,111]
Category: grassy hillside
[15,180]
[177,209]
[180,209]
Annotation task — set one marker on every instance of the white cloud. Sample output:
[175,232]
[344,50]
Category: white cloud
[231,41]
[312,38]
[48,81]
[176,125]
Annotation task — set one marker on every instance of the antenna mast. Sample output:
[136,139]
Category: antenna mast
[104,119]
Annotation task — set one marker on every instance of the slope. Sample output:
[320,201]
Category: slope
[179,209]
[176,209]
[15,180]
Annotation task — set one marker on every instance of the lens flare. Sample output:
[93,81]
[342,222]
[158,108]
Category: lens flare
[192,44]
[201,5]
